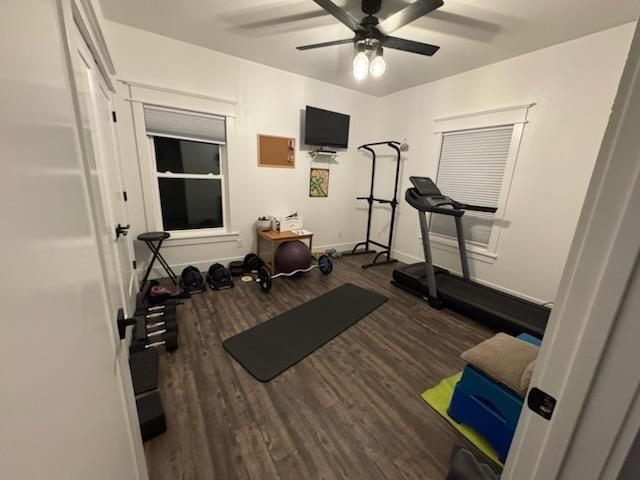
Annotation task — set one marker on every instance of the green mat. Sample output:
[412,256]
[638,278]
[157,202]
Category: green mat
[439,398]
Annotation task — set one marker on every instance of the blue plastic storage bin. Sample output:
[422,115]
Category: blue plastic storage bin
[472,411]
[489,407]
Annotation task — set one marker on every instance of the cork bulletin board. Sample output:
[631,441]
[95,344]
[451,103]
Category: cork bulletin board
[276,151]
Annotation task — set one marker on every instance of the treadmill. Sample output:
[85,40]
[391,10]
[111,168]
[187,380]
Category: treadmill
[442,288]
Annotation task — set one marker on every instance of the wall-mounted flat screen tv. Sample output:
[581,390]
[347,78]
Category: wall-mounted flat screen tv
[324,128]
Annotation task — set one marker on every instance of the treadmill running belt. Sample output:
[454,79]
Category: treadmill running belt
[506,312]
[268,349]
[501,310]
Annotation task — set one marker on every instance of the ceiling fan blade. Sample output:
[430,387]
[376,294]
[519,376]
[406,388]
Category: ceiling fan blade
[325,44]
[412,12]
[340,14]
[410,46]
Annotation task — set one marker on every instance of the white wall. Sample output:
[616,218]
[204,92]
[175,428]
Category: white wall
[270,102]
[573,85]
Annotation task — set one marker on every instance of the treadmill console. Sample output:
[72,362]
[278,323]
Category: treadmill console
[425,186]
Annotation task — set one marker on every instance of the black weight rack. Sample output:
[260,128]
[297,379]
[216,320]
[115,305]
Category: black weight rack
[371,199]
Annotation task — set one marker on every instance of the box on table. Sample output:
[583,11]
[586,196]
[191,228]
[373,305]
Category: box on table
[285,224]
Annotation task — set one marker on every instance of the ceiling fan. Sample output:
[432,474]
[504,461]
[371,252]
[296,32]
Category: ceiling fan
[372,35]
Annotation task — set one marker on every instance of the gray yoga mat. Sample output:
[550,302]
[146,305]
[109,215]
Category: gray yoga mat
[271,347]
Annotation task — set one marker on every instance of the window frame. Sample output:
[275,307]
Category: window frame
[155,188]
[503,117]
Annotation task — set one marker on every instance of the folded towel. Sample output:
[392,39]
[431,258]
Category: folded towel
[506,359]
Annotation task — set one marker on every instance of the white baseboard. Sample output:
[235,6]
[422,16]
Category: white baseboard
[340,247]
[203,266]
[406,258]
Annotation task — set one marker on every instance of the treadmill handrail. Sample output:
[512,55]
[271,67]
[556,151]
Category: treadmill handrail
[454,212]
[438,204]
[477,208]
[465,206]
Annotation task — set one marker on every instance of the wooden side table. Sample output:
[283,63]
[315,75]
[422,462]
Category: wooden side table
[275,238]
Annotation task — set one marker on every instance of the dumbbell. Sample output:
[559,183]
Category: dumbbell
[156,311]
[141,338]
[156,339]
[170,324]
[155,317]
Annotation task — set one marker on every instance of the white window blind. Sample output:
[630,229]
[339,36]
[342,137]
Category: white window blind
[471,170]
[174,123]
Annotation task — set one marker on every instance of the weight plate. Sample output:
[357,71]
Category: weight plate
[325,264]
[248,258]
[252,262]
[264,279]
[236,268]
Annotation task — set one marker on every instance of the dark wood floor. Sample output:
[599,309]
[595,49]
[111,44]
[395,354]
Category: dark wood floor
[352,409]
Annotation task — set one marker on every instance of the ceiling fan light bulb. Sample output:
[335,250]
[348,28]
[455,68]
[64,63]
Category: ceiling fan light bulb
[378,66]
[360,66]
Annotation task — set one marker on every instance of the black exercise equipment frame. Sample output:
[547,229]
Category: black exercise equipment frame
[155,249]
[371,199]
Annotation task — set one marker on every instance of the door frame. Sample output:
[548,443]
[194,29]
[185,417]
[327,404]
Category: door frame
[84,16]
[587,329]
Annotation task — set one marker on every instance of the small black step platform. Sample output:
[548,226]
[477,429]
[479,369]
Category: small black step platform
[151,416]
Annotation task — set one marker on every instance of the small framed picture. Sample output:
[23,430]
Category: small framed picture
[319,182]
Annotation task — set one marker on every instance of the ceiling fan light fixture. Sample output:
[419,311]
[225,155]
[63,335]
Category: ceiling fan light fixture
[371,34]
[378,65]
[360,63]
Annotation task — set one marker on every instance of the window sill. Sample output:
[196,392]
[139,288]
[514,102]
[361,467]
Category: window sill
[183,238]
[474,252]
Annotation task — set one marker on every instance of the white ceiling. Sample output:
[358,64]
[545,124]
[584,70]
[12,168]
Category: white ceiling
[471,33]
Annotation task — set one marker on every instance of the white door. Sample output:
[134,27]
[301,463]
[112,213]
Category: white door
[106,176]
[105,186]
[64,415]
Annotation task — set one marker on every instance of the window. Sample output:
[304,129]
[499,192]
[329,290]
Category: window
[477,160]
[471,170]
[189,151]
[189,183]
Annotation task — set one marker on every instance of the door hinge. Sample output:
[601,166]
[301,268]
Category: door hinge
[114,117]
[124,196]
[541,402]
[134,264]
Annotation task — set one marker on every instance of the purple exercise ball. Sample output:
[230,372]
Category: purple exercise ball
[292,255]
